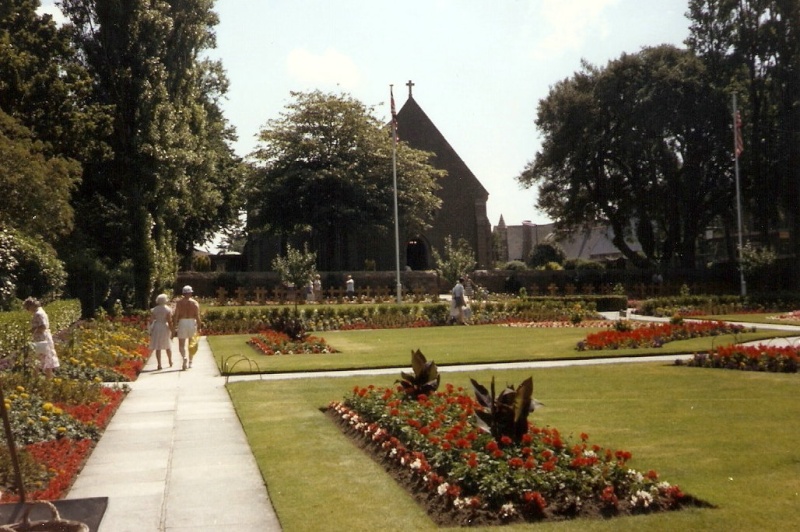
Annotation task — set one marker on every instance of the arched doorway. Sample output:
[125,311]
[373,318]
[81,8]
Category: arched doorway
[417,254]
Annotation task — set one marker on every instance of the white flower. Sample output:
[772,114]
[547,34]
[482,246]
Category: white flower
[507,510]
[442,489]
[635,475]
[416,464]
[460,503]
[641,498]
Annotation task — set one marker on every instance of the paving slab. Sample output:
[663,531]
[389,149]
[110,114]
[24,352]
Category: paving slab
[175,457]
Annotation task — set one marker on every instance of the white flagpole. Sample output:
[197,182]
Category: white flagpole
[736,133]
[396,217]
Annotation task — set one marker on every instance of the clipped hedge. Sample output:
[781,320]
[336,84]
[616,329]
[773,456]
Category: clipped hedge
[15,330]
[714,304]
[240,320]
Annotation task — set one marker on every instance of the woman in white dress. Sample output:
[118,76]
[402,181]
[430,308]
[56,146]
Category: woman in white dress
[161,329]
[40,329]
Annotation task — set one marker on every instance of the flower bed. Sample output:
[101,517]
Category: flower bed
[655,335]
[562,324]
[276,343]
[466,476]
[747,358]
[56,422]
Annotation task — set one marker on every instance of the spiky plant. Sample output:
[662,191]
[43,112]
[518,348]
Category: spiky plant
[505,414]
[425,379]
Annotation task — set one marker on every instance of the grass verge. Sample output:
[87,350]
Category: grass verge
[720,435]
[383,348]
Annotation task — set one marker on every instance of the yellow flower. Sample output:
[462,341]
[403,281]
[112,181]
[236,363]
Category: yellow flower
[62,430]
[57,411]
[47,407]
[44,419]
[24,395]
[20,389]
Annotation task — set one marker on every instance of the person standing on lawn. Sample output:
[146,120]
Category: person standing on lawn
[161,329]
[459,301]
[40,330]
[187,322]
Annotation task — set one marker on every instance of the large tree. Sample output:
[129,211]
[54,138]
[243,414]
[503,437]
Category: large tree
[640,145]
[35,187]
[325,168]
[172,179]
[753,46]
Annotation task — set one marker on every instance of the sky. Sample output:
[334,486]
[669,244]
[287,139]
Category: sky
[479,67]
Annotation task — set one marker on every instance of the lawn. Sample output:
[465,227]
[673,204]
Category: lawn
[720,435]
[768,319]
[445,345]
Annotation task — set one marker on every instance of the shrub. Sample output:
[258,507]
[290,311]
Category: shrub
[544,253]
[515,266]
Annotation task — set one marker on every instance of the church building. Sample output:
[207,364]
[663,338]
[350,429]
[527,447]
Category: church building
[462,214]
[463,210]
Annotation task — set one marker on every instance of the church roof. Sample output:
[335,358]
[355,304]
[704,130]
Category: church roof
[415,128]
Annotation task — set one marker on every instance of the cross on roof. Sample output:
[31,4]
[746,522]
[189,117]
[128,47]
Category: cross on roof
[410,84]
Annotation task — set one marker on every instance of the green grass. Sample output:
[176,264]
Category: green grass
[727,437]
[751,318]
[445,345]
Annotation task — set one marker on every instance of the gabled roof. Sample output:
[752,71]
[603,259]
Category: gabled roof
[415,128]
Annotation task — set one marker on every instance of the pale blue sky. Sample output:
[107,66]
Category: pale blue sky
[480,67]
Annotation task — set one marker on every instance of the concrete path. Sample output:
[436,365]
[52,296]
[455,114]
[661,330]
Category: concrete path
[175,457]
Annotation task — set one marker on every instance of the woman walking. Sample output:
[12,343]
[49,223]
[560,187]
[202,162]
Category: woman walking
[161,329]
[42,337]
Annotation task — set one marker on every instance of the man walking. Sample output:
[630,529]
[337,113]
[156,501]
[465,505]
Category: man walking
[187,322]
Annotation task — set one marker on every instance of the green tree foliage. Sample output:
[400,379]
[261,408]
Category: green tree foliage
[39,272]
[44,86]
[753,49]
[8,269]
[325,166]
[636,145]
[456,260]
[35,187]
[173,179]
[296,268]
[29,266]
[545,252]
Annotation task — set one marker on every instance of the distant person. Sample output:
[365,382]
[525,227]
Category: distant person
[42,337]
[317,288]
[161,329]
[468,290]
[310,290]
[459,301]
[350,288]
[187,322]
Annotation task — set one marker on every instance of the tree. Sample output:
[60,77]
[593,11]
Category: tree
[636,145]
[325,168]
[173,179]
[44,86]
[753,47]
[36,188]
[455,261]
[296,268]
[546,252]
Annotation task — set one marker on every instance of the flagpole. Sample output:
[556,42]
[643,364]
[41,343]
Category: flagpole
[737,146]
[396,217]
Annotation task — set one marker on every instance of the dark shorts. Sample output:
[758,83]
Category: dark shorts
[459,301]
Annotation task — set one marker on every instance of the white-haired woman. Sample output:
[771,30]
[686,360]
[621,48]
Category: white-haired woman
[161,329]
[40,329]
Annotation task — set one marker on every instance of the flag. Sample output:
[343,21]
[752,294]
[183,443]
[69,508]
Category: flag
[738,143]
[394,113]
